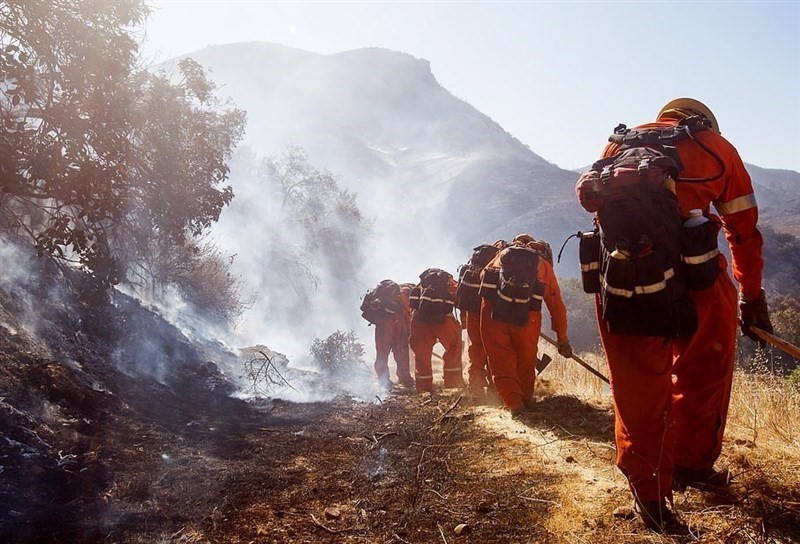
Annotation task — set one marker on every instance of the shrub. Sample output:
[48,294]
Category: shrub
[339,351]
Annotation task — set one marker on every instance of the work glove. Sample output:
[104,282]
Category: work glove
[754,313]
[564,349]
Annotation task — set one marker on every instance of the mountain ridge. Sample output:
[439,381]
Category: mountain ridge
[380,120]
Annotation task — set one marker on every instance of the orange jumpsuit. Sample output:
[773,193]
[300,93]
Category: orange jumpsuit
[512,349]
[479,375]
[671,396]
[391,336]
[424,336]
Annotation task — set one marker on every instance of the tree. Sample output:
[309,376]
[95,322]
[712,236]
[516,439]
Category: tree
[333,224]
[100,160]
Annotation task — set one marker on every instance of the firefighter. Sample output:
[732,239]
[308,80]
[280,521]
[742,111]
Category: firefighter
[432,321]
[391,336]
[511,337]
[671,395]
[469,303]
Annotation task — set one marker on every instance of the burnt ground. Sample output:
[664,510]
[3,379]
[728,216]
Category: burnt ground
[93,450]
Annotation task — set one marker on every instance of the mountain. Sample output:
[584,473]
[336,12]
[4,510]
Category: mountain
[425,164]
[428,166]
[778,195]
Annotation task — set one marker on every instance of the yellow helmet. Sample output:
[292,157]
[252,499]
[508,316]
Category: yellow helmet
[681,108]
[523,239]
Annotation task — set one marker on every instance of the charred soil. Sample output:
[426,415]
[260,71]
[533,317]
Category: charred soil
[93,451]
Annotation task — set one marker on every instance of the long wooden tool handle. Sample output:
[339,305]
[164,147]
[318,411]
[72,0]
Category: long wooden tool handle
[577,359]
[780,343]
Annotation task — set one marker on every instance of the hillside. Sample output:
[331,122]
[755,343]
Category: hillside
[125,430]
[423,162]
[128,423]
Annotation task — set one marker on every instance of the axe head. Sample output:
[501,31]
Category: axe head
[542,363]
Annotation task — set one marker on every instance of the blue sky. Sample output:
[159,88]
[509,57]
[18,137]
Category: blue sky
[557,75]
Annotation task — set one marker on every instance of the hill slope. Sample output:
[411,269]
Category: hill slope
[119,452]
[426,165]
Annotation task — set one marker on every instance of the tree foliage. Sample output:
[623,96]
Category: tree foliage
[339,351]
[101,160]
[333,225]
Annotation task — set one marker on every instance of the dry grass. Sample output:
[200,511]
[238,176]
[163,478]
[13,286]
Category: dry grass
[762,450]
[764,411]
[567,377]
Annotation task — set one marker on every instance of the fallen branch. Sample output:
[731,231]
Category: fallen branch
[395,535]
[378,438]
[441,417]
[264,371]
[318,523]
[534,499]
[441,532]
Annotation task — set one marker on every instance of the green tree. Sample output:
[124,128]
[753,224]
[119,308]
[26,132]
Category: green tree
[101,160]
[339,351]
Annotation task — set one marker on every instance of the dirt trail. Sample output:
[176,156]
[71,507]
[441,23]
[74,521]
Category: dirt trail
[91,454]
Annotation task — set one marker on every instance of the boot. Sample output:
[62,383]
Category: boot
[654,514]
[707,479]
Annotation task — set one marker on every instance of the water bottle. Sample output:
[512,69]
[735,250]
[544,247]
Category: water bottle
[699,251]
[696,218]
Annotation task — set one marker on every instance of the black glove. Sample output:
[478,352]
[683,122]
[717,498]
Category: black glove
[564,349]
[754,313]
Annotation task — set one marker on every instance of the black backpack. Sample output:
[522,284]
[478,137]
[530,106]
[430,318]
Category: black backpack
[381,302]
[514,287]
[469,280]
[431,299]
[634,259]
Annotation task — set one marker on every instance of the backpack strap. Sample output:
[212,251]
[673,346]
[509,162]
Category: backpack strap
[665,140]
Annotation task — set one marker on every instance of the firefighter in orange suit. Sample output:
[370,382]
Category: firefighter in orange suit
[512,348]
[391,336]
[469,303]
[671,396]
[432,321]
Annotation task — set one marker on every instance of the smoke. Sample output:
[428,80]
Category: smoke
[309,283]
[23,293]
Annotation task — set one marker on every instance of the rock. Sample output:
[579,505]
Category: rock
[461,529]
[333,513]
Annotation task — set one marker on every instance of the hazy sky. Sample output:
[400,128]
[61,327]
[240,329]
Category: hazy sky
[557,75]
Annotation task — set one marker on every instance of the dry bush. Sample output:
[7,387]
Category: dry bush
[210,286]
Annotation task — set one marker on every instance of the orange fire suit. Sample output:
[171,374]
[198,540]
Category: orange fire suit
[478,371]
[512,349]
[424,336]
[391,336]
[671,396]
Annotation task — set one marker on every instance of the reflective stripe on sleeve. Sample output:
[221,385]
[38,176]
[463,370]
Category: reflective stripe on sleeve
[736,205]
[594,265]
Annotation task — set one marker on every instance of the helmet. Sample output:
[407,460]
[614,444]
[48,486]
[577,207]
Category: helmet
[523,239]
[681,108]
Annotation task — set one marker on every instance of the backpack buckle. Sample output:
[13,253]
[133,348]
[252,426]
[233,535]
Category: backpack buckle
[605,174]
